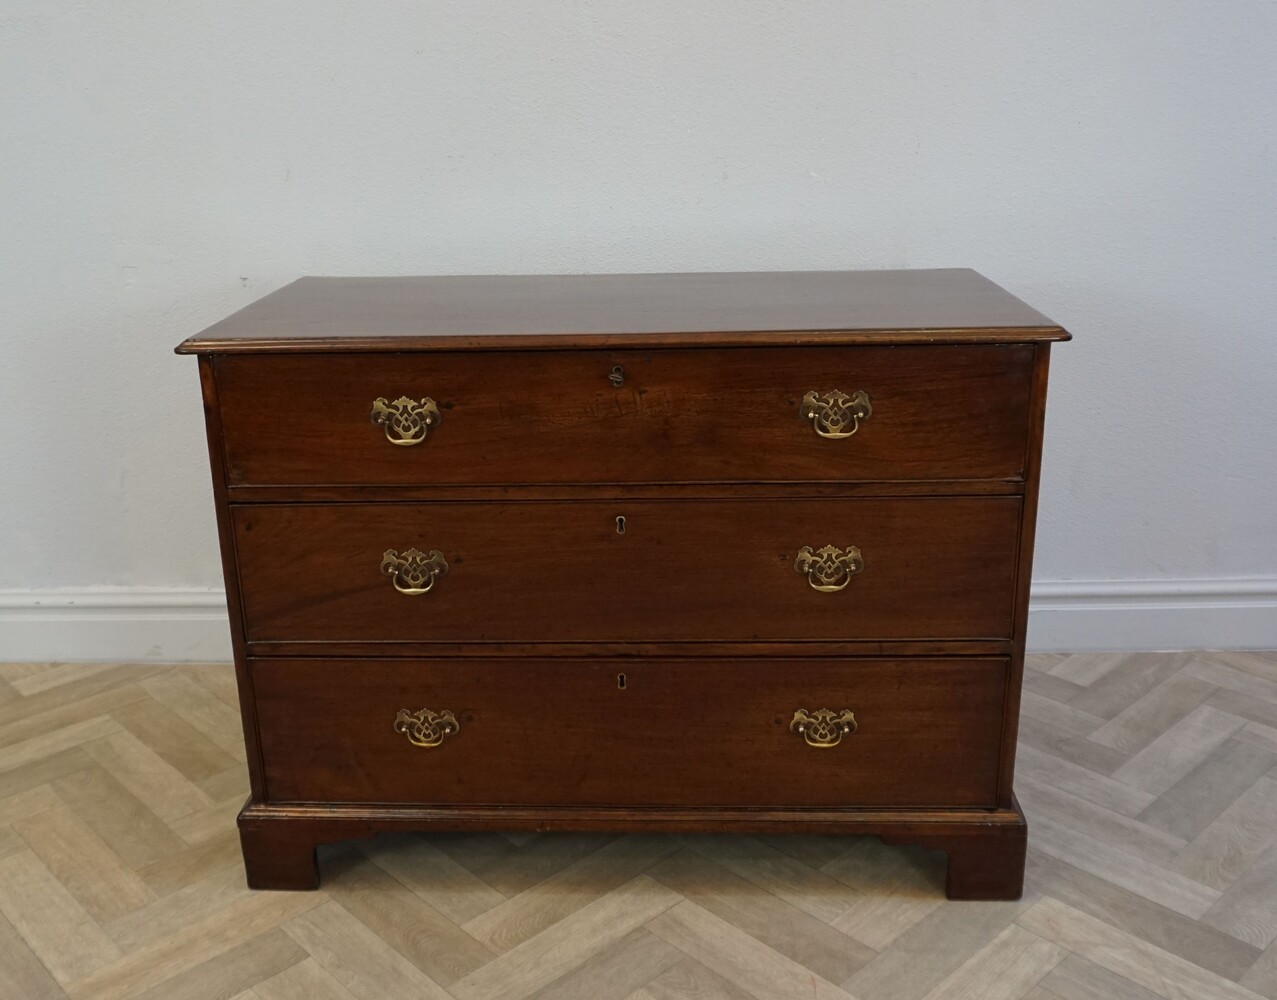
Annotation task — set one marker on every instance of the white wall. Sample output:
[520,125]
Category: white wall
[162,164]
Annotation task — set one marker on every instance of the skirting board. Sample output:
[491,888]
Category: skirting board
[1064,616]
[1075,616]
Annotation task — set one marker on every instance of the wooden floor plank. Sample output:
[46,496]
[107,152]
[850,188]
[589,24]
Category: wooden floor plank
[1063,717]
[84,864]
[162,959]
[174,740]
[1180,749]
[927,953]
[449,887]
[689,980]
[1135,676]
[193,864]
[363,963]
[199,708]
[1223,852]
[1005,969]
[103,704]
[525,915]
[1248,908]
[897,887]
[1193,940]
[1054,772]
[117,816]
[405,921]
[306,980]
[1123,869]
[55,927]
[1191,804]
[515,869]
[153,781]
[232,971]
[812,891]
[116,681]
[814,850]
[1087,819]
[562,947]
[1262,976]
[22,975]
[780,925]
[616,971]
[47,743]
[43,771]
[1074,749]
[1138,725]
[1127,956]
[176,910]
[1084,669]
[742,960]
[1077,978]
[1247,683]
[32,678]
[17,808]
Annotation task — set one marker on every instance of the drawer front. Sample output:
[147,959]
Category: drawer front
[952,412]
[652,733]
[730,570]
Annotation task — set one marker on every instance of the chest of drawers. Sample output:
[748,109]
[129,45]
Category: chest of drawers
[697,552]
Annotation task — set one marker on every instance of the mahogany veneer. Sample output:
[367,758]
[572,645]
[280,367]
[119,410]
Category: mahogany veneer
[701,552]
[683,570]
[549,417]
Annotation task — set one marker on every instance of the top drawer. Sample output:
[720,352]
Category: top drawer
[603,416]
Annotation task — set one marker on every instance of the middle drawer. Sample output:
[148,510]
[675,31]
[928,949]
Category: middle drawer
[542,571]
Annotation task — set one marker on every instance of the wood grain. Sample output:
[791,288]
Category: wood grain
[639,310]
[926,736]
[682,570]
[680,416]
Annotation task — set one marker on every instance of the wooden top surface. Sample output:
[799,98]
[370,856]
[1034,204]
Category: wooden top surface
[627,310]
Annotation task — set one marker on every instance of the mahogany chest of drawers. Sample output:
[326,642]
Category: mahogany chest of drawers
[682,552]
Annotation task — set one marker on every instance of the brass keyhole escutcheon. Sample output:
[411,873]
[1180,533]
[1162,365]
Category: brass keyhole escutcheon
[620,681]
[616,376]
[620,524]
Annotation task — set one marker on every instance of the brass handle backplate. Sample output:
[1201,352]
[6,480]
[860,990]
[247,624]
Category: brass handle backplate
[829,569]
[425,728]
[412,571]
[823,728]
[405,421]
[835,414]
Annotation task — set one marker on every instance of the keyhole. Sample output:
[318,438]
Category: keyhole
[620,681]
[617,377]
[620,524]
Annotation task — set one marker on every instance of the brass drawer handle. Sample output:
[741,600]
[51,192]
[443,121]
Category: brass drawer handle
[412,571]
[425,728]
[829,569]
[835,414]
[823,728]
[405,421]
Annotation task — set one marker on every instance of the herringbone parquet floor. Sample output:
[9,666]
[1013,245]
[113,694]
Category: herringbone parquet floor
[1150,781]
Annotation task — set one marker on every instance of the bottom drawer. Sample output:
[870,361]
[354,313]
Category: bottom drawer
[632,732]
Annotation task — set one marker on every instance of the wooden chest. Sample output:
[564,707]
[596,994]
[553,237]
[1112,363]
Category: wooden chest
[682,552]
